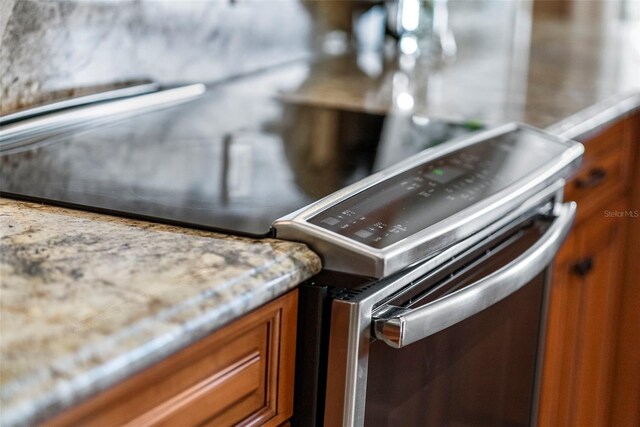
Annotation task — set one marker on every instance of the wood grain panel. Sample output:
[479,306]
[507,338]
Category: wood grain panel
[604,171]
[602,240]
[239,375]
[591,369]
[626,390]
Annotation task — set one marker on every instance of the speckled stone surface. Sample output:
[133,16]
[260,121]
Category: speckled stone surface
[88,299]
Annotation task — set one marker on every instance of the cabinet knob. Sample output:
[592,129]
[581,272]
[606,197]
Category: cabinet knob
[583,266]
[593,178]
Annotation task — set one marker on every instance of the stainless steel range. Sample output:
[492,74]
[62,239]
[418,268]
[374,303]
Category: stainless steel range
[431,306]
[438,315]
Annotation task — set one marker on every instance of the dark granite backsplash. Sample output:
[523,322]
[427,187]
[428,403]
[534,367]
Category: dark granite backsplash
[51,49]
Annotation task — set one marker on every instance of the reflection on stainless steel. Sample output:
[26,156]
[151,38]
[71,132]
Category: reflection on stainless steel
[411,325]
[20,134]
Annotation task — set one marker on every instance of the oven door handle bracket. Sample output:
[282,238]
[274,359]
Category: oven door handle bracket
[401,329]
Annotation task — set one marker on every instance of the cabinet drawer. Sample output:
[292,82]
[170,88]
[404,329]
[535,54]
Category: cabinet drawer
[240,375]
[604,170]
[600,175]
[231,379]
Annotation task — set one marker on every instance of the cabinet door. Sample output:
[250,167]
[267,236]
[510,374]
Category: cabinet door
[626,404]
[577,371]
[601,243]
[561,337]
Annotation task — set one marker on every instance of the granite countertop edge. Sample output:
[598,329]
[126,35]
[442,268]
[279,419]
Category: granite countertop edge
[88,383]
[155,319]
[596,116]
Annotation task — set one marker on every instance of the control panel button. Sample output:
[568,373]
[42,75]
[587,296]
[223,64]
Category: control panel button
[330,221]
[364,233]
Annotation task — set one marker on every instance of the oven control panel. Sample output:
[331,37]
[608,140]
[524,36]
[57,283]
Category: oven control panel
[420,197]
[434,199]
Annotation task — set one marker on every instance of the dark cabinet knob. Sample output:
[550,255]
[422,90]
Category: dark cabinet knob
[583,266]
[593,178]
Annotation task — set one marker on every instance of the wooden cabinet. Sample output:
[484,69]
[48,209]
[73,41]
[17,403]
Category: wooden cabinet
[598,281]
[240,375]
[626,388]
[604,172]
[586,296]
[581,334]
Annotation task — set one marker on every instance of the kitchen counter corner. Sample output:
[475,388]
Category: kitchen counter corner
[89,299]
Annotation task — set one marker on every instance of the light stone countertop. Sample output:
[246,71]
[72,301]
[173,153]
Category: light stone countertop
[89,299]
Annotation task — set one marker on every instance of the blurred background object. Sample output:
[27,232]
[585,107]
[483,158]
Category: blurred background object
[54,49]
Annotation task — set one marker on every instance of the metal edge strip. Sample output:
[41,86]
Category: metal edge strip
[18,134]
[124,92]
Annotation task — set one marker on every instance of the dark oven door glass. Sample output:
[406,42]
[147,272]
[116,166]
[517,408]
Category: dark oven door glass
[479,372]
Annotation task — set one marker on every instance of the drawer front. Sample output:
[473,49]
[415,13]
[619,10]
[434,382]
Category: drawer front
[605,170]
[233,384]
[240,375]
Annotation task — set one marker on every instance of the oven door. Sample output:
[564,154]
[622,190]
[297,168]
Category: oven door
[462,347]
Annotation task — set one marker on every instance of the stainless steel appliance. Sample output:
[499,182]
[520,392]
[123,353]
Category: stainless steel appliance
[438,316]
[430,309]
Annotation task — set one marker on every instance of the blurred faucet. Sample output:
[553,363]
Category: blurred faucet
[422,28]
[424,41]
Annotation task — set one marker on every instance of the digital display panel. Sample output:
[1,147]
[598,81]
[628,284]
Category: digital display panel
[425,195]
[444,174]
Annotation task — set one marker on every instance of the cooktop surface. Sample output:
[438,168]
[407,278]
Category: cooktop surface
[229,160]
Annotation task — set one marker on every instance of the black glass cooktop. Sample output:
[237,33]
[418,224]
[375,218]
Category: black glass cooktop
[225,161]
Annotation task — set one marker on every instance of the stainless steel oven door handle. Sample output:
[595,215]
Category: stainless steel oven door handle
[406,327]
